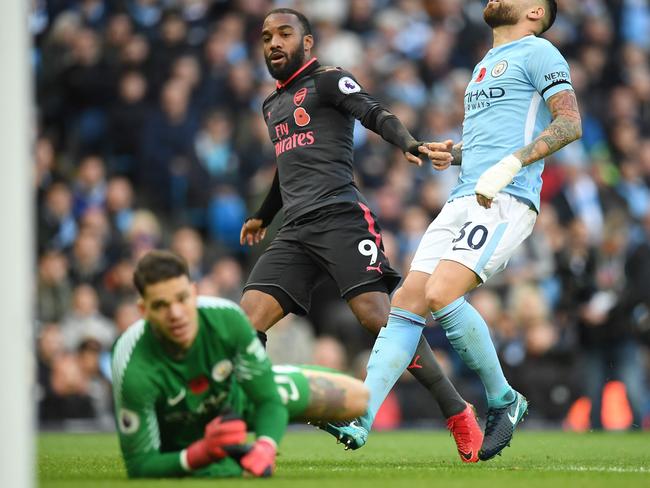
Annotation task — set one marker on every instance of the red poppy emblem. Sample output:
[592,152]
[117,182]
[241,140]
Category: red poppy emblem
[301,117]
[481,75]
[199,384]
[299,97]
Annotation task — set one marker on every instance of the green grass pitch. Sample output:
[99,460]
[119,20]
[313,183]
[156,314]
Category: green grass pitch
[408,459]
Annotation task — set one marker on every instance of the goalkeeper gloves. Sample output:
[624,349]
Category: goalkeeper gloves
[497,177]
[220,432]
[260,460]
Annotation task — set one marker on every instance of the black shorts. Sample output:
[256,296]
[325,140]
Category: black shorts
[341,240]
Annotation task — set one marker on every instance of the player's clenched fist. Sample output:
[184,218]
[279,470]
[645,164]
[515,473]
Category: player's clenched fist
[220,432]
[495,179]
[260,460]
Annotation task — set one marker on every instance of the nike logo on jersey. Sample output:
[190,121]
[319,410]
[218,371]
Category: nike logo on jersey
[513,418]
[172,401]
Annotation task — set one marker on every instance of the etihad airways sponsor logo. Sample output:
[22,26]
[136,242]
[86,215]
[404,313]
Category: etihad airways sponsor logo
[483,98]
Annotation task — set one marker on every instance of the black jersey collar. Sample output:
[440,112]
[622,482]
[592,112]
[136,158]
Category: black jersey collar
[305,68]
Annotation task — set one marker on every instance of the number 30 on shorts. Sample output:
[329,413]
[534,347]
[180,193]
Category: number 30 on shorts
[470,238]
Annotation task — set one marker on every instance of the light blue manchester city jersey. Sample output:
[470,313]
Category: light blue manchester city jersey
[505,110]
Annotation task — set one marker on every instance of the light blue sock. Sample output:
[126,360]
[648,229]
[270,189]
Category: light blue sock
[390,356]
[469,335]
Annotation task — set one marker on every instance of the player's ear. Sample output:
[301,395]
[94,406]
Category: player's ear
[140,304]
[536,13]
[308,42]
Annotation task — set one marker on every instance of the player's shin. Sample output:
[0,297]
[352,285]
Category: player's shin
[390,356]
[426,369]
[470,337]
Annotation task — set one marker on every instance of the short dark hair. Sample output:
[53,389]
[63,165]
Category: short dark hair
[552,13]
[157,266]
[304,22]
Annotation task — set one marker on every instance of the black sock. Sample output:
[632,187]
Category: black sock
[262,337]
[427,371]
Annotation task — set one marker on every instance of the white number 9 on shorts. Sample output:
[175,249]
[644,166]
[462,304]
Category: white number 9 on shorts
[368,248]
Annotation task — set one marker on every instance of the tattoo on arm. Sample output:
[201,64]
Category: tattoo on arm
[565,128]
[326,399]
[457,153]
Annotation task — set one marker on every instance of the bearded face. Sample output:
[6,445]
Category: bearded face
[500,12]
[283,63]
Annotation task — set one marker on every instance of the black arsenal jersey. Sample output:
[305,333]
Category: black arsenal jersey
[310,119]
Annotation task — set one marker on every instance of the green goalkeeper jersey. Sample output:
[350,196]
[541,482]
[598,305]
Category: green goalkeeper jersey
[162,404]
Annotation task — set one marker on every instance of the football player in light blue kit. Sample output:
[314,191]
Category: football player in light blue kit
[519,108]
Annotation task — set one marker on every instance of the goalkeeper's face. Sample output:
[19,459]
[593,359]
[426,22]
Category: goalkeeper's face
[170,307]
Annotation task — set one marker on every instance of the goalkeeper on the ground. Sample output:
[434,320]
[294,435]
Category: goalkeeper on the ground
[191,379]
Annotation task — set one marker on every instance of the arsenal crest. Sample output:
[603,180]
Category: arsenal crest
[299,96]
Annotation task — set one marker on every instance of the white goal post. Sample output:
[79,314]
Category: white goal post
[16,248]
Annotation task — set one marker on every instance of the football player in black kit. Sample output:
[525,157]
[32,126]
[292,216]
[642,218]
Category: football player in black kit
[328,226]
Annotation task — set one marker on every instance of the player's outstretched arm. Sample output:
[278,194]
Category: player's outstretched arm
[565,128]
[342,90]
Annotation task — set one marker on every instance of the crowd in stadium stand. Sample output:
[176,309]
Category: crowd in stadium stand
[149,134]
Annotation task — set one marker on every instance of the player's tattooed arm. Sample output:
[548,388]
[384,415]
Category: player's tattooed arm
[566,127]
[326,399]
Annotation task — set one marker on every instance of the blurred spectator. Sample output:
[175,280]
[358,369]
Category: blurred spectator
[54,290]
[46,166]
[88,86]
[214,148]
[291,341]
[85,322]
[89,355]
[89,189]
[187,243]
[68,397]
[119,205]
[57,228]
[49,347]
[227,275]
[126,314]
[168,46]
[87,260]
[117,287]
[144,234]
[118,33]
[330,353]
[167,148]
[127,119]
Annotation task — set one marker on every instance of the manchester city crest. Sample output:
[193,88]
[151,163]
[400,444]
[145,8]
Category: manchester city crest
[499,68]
